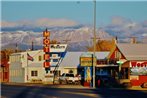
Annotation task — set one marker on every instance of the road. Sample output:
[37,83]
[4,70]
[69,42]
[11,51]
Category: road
[47,91]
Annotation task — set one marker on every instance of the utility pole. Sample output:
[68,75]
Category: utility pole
[96,38]
[16,47]
[94,43]
[32,46]
[133,40]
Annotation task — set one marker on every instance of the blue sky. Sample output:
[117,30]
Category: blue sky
[80,12]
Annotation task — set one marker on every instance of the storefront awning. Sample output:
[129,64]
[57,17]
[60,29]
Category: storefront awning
[103,65]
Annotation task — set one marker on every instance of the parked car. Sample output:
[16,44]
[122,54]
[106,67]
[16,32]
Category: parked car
[106,81]
[77,79]
[68,78]
[103,77]
[144,85]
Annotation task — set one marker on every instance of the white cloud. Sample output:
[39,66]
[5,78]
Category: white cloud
[123,27]
[55,22]
[117,20]
[145,35]
[43,22]
[8,24]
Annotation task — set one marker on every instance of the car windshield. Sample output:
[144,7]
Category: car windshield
[69,75]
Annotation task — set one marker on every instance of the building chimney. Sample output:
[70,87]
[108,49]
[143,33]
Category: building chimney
[115,40]
[133,40]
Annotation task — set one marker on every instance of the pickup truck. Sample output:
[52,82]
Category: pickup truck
[68,78]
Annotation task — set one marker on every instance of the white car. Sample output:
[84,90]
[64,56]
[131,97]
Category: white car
[66,78]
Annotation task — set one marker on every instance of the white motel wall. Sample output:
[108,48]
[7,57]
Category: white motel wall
[23,70]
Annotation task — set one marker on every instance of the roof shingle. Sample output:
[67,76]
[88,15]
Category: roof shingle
[133,51]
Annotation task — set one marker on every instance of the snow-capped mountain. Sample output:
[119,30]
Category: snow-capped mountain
[80,37]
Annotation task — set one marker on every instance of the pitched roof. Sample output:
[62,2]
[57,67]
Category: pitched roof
[133,51]
[99,55]
[72,59]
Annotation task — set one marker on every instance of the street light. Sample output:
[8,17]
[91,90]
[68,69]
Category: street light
[94,42]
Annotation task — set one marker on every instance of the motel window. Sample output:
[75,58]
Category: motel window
[34,73]
[39,58]
[55,60]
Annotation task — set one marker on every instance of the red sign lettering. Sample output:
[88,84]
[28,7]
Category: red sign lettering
[46,34]
[46,56]
[46,42]
[46,49]
[133,64]
[139,64]
[46,64]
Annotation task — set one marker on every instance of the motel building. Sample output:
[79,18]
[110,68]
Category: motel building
[4,71]
[25,69]
[28,66]
[126,63]
[131,59]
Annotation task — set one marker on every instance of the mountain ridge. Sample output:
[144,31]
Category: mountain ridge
[80,36]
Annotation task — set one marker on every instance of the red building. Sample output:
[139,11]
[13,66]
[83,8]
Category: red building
[4,69]
[132,61]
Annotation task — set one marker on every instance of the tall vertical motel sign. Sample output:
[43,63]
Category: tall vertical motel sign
[46,49]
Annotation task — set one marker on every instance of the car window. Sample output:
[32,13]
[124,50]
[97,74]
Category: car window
[69,75]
